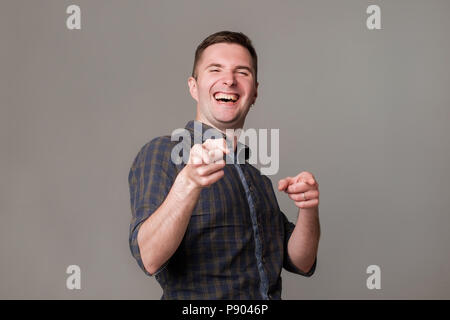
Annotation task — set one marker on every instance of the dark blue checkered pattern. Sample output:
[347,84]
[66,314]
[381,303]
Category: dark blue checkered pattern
[236,242]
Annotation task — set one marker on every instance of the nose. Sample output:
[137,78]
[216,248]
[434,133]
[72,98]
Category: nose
[229,78]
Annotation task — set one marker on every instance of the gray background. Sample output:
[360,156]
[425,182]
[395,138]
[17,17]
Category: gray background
[365,111]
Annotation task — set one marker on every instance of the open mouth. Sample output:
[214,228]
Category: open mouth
[226,98]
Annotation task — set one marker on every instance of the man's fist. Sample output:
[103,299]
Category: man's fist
[303,189]
[205,165]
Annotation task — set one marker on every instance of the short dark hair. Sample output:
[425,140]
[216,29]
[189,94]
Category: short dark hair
[227,37]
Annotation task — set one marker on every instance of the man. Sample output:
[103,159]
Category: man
[212,230]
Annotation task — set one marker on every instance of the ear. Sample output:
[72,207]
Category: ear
[192,83]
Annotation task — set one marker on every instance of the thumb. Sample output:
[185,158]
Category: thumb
[309,181]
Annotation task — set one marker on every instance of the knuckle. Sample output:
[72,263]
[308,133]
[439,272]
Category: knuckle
[203,181]
[195,150]
[208,143]
[209,159]
[194,160]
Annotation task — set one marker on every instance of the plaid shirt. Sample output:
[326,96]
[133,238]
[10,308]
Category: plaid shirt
[236,242]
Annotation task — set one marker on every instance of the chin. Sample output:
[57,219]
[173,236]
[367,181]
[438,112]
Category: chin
[227,123]
[226,119]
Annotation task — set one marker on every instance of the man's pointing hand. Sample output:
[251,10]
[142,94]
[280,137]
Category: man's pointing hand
[303,189]
[205,165]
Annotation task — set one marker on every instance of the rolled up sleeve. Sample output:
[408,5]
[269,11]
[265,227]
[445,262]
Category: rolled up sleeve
[150,178]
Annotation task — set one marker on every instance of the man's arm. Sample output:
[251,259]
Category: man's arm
[303,243]
[160,235]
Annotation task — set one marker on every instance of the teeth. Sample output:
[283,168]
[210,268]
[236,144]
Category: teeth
[220,95]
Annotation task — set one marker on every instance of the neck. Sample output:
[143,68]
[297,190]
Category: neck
[221,128]
[230,136]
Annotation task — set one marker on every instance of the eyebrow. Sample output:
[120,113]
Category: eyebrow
[221,66]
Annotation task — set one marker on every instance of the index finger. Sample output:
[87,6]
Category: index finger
[220,144]
[298,187]
[306,177]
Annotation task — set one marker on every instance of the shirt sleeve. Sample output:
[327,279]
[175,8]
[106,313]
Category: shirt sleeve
[150,178]
[287,263]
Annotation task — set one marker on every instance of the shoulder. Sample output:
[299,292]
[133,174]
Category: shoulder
[156,152]
[159,144]
[157,148]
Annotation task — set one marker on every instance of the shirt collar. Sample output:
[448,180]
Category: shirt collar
[197,127]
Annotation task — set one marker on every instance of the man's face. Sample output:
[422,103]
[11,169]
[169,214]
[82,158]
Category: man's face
[225,86]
